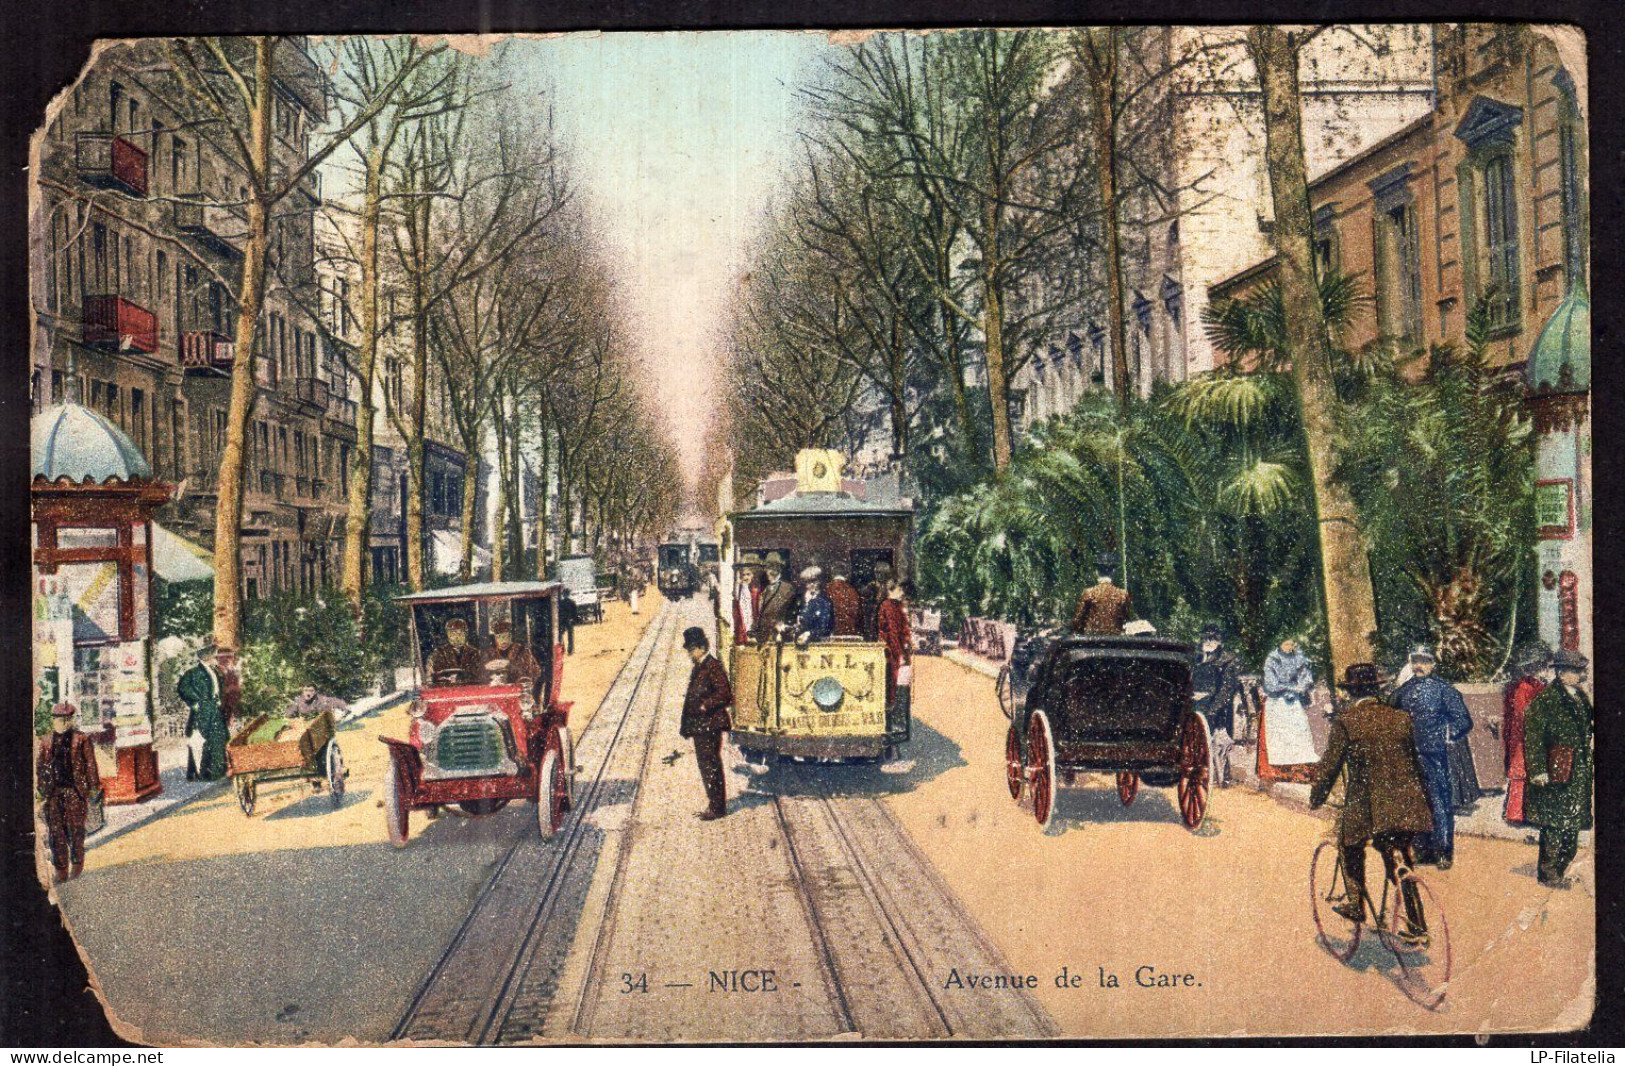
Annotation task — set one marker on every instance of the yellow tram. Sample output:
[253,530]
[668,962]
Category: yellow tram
[814,699]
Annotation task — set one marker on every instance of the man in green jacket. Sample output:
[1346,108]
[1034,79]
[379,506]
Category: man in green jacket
[201,690]
[1557,754]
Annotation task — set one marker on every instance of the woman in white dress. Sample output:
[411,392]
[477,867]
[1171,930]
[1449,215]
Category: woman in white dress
[1286,749]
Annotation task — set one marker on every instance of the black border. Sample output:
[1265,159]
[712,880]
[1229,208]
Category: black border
[45,1002]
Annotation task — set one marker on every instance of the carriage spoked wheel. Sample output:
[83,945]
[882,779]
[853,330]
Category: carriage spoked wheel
[1014,773]
[396,812]
[553,797]
[1425,962]
[247,793]
[1195,770]
[1041,767]
[335,773]
[1327,886]
[1128,786]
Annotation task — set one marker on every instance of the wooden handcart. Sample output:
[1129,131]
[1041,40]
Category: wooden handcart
[273,748]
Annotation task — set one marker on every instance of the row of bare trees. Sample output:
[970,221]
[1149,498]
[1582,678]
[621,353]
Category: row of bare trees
[964,197]
[479,277]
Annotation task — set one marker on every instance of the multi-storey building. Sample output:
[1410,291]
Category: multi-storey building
[1196,127]
[138,230]
[1482,203]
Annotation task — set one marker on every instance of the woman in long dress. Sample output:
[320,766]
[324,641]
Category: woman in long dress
[1286,749]
[1531,681]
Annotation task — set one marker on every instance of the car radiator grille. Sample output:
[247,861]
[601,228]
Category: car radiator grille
[469,745]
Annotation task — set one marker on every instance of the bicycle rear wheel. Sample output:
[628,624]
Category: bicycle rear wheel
[1327,886]
[1424,965]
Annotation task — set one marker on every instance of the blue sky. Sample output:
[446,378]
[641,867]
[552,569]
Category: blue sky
[678,141]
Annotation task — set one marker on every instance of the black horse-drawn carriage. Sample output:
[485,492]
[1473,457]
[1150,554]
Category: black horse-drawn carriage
[1104,704]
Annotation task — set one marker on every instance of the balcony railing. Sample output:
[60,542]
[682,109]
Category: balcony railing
[111,162]
[271,482]
[311,391]
[115,324]
[205,351]
[215,225]
[341,410]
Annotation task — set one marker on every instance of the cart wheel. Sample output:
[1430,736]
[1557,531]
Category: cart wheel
[1339,936]
[1014,773]
[567,756]
[554,795]
[335,773]
[1195,770]
[1004,689]
[396,811]
[1128,786]
[247,792]
[1041,753]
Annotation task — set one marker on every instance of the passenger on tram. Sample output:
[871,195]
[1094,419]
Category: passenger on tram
[872,596]
[844,601]
[777,601]
[895,634]
[817,616]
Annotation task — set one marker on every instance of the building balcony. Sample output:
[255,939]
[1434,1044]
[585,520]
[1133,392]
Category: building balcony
[341,410]
[207,352]
[216,226]
[115,324]
[111,162]
[311,391]
[271,483]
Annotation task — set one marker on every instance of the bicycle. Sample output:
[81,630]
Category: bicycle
[1424,963]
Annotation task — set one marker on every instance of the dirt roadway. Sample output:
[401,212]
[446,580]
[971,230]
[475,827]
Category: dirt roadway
[1116,889]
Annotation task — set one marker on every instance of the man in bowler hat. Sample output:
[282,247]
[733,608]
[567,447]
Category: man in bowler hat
[1557,757]
[705,718]
[65,769]
[1384,802]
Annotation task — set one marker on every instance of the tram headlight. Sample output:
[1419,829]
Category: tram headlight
[828,693]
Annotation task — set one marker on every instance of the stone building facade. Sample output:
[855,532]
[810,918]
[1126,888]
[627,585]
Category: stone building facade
[138,229]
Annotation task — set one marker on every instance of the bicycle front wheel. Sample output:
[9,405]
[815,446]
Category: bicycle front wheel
[1327,886]
[1424,960]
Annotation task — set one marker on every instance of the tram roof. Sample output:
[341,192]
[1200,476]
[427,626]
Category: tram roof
[822,505]
[510,590]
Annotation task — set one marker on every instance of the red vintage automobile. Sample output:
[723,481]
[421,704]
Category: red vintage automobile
[483,732]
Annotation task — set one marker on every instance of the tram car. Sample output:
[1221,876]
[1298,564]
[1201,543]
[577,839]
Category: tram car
[821,700]
[481,733]
[675,573]
[1117,705]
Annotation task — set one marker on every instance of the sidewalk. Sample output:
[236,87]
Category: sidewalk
[178,791]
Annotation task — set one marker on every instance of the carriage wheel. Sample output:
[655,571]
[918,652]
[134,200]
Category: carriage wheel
[1013,770]
[335,773]
[1041,748]
[396,812]
[247,793]
[1195,770]
[554,794]
[1424,968]
[1128,786]
[1004,689]
[567,760]
[1327,885]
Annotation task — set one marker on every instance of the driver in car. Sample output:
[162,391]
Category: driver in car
[507,662]
[457,654]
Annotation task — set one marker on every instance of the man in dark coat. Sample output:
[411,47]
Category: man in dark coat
[65,769]
[1103,608]
[567,622]
[1216,680]
[778,602]
[200,688]
[870,597]
[1439,718]
[705,718]
[817,620]
[458,655]
[519,663]
[1384,802]
[1557,756]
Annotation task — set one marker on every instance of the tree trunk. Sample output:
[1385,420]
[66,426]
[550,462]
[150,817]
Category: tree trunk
[420,400]
[228,581]
[471,499]
[998,386]
[516,493]
[358,520]
[542,504]
[499,533]
[1102,77]
[1351,619]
